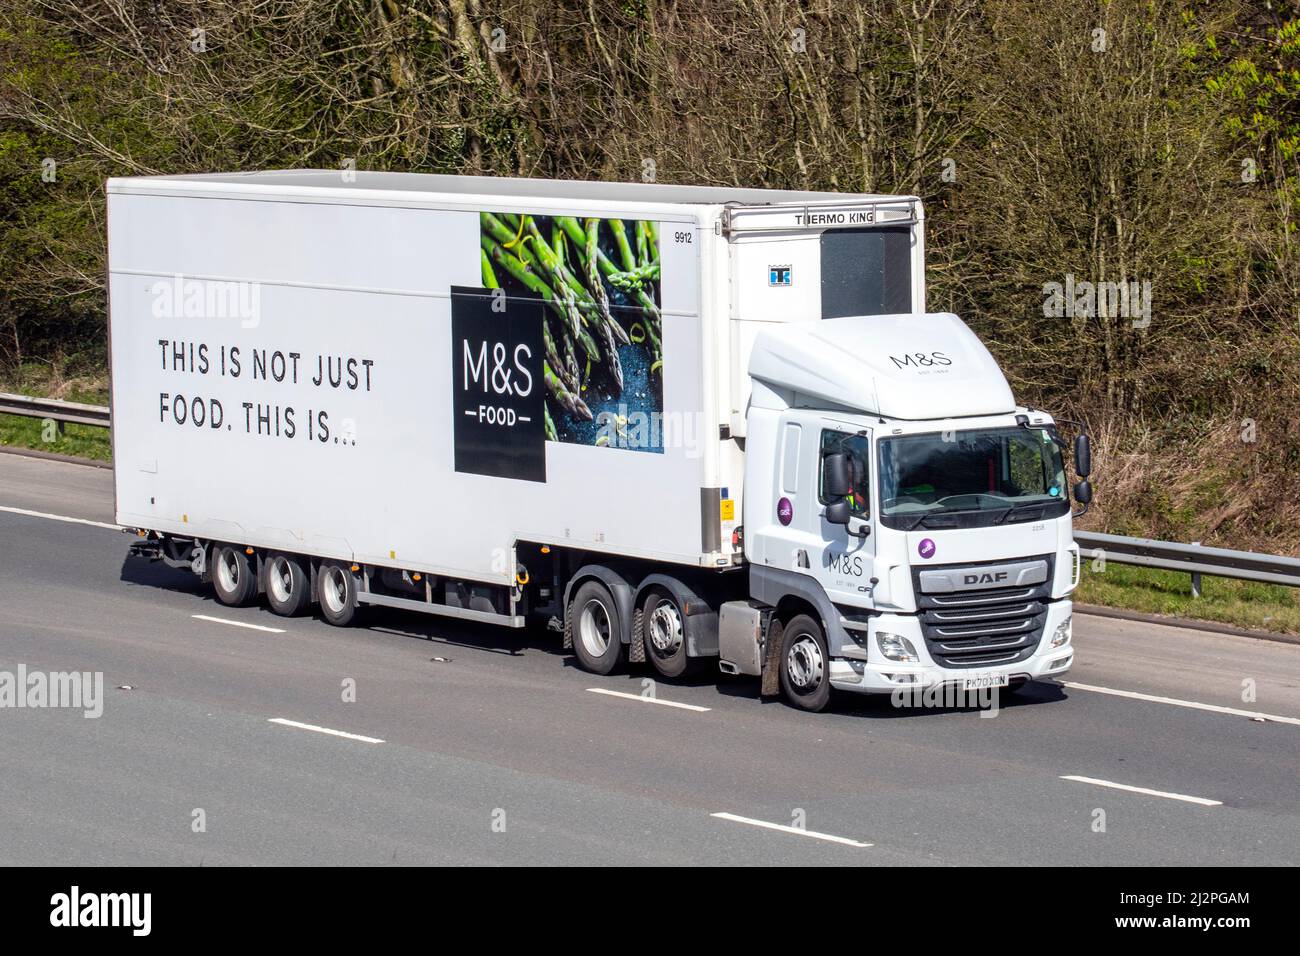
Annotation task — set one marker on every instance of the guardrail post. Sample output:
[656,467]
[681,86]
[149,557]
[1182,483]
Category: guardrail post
[1196,577]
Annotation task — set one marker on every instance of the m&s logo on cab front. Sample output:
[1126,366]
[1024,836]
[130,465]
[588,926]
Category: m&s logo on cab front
[920,360]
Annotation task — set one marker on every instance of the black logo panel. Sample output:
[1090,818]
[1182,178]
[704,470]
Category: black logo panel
[497,387]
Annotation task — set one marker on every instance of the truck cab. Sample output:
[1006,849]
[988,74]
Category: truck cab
[902,513]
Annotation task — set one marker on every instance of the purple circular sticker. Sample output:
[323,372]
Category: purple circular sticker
[926,548]
[784,511]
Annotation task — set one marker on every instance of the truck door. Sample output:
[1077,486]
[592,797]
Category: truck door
[846,559]
[798,538]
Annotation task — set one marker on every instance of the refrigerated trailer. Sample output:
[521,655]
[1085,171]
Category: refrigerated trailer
[683,425]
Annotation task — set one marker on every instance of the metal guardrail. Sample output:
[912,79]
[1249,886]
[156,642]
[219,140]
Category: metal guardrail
[1194,559]
[73,412]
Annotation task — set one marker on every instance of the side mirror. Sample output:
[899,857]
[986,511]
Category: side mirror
[1083,493]
[1082,456]
[835,478]
[838,513]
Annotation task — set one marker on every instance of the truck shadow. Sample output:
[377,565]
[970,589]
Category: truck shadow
[882,706]
[156,574]
[485,638]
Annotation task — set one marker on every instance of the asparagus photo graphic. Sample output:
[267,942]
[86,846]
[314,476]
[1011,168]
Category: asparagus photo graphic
[599,279]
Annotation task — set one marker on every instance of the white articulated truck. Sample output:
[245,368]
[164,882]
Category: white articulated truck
[687,423]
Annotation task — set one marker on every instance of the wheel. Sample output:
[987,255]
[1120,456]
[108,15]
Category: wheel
[288,585]
[593,618]
[336,590]
[663,629]
[232,576]
[805,664]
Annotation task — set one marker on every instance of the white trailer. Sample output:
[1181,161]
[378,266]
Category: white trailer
[687,423]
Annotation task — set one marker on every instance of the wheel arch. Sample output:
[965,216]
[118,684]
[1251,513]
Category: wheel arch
[792,594]
[792,605]
[618,586]
[699,616]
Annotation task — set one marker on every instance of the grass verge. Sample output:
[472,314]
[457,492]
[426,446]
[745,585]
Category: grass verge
[81,441]
[1263,607]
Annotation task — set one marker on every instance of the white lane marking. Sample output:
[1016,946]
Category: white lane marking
[1194,705]
[1150,793]
[70,520]
[251,627]
[647,700]
[828,837]
[324,730]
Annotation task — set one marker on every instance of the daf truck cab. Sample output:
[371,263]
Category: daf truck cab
[907,524]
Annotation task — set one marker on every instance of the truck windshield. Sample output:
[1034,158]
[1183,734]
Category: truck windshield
[971,478]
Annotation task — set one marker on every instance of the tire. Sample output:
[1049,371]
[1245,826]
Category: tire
[593,619]
[232,576]
[663,632]
[805,665]
[336,592]
[287,585]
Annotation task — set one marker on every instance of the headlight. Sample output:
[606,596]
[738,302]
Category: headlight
[895,647]
[1062,634]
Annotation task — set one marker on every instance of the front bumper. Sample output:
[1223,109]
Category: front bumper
[873,674]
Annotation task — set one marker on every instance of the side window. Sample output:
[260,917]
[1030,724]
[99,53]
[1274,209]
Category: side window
[790,464]
[857,447]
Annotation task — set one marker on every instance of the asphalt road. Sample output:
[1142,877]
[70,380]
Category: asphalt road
[495,749]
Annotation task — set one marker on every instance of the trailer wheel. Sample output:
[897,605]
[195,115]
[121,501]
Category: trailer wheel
[288,585]
[663,629]
[232,576]
[805,664]
[336,590]
[593,619]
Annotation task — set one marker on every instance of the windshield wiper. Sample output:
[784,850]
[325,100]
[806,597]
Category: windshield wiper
[949,516]
[917,523]
[1017,507]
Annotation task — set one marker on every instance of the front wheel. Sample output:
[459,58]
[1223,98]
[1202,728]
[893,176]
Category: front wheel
[805,664]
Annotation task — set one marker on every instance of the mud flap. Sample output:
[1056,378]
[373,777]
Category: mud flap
[771,684]
[636,646]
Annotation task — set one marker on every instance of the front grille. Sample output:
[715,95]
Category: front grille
[983,628]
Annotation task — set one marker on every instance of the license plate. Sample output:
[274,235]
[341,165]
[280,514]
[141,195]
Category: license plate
[981,681]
